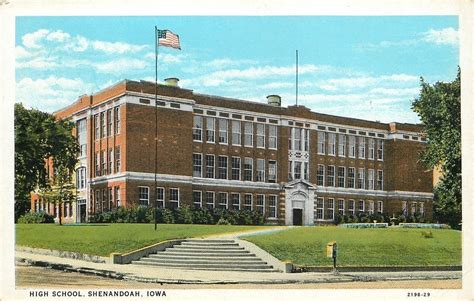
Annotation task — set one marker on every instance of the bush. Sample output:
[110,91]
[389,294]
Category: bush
[36,218]
[427,234]
[223,221]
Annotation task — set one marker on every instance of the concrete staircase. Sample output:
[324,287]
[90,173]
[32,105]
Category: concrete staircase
[207,254]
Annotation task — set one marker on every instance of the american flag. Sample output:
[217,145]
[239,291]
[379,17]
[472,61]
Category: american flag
[168,39]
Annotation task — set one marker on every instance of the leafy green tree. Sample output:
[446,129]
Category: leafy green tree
[439,108]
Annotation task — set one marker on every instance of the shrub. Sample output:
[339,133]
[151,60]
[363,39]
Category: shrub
[223,221]
[36,218]
[427,234]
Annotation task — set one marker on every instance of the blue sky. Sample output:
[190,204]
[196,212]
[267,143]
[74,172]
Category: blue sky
[363,67]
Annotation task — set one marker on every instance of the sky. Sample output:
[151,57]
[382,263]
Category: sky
[361,67]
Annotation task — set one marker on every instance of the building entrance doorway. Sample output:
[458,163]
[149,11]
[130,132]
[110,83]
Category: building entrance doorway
[81,211]
[297,217]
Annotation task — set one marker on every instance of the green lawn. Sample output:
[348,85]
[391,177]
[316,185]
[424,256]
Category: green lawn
[103,239]
[363,247]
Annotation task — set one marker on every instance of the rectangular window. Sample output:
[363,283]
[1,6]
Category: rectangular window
[248,169]
[117,158]
[222,167]
[96,126]
[361,205]
[361,147]
[371,148]
[82,137]
[320,175]
[260,203]
[297,172]
[210,199]
[272,171]
[330,175]
[97,164]
[235,173]
[248,134]
[109,122]
[380,150]
[320,208]
[235,201]
[306,140]
[174,198]
[210,165]
[297,139]
[160,197]
[247,202]
[330,209]
[117,196]
[321,143]
[371,209]
[290,170]
[103,125]
[197,199]
[197,165]
[81,178]
[197,128]
[342,145]
[222,200]
[110,161]
[117,120]
[260,135]
[370,176]
[305,170]
[272,206]
[341,176]
[210,130]
[272,136]
[361,179]
[379,179]
[143,195]
[351,207]
[111,200]
[340,207]
[103,162]
[236,134]
[351,177]
[223,126]
[260,170]
[352,146]
[331,144]
[421,208]
[380,207]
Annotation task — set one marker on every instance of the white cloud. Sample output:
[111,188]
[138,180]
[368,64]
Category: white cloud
[21,52]
[445,36]
[31,40]
[78,44]
[38,63]
[395,91]
[58,36]
[335,84]
[261,72]
[121,65]
[117,47]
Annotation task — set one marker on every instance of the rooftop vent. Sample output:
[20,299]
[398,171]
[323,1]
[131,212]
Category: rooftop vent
[274,100]
[172,81]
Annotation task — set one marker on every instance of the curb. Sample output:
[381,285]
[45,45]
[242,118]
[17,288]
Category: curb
[64,254]
[322,269]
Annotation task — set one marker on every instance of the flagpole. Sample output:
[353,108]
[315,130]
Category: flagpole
[156,122]
[296,77]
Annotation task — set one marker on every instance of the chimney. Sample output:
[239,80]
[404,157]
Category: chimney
[274,100]
[172,81]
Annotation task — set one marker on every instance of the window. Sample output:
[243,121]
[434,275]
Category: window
[342,145]
[330,211]
[404,207]
[223,125]
[160,197]
[81,178]
[197,165]
[362,147]
[352,146]
[320,175]
[117,197]
[351,177]
[103,125]
[97,164]
[296,139]
[197,199]
[321,143]
[174,198]
[260,135]
[222,200]
[320,208]
[117,158]
[331,144]
[247,202]
[222,167]
[82,137]
[210,130]
[248,169]
[272,206]
[330,175]
[305,170]
[197,128]
[351,207]
[361,205]
[96,126]
[306,140]
[210,166]
[111,200]
[235,201]
[97,201]
[272,171]
[290,170]
[380,207]
[340,207]
[109,122]
[103,161]
[143,195]
[110,161]
[380,150]
[370,210]
[379,179]
[361,179]
[371,148]
[370,176]
[248,134]
[421,208]
[272,136]
[117,120]
[341,176]
[236,137]
[210,199]
[260,170]
[260,203]
[235,172]
[297,171]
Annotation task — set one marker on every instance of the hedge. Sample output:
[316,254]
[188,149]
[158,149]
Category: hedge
[36,218]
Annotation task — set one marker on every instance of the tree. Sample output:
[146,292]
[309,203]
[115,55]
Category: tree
[439,108]
[39,136]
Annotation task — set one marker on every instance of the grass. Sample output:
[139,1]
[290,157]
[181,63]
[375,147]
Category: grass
[363,247]
[103,239]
